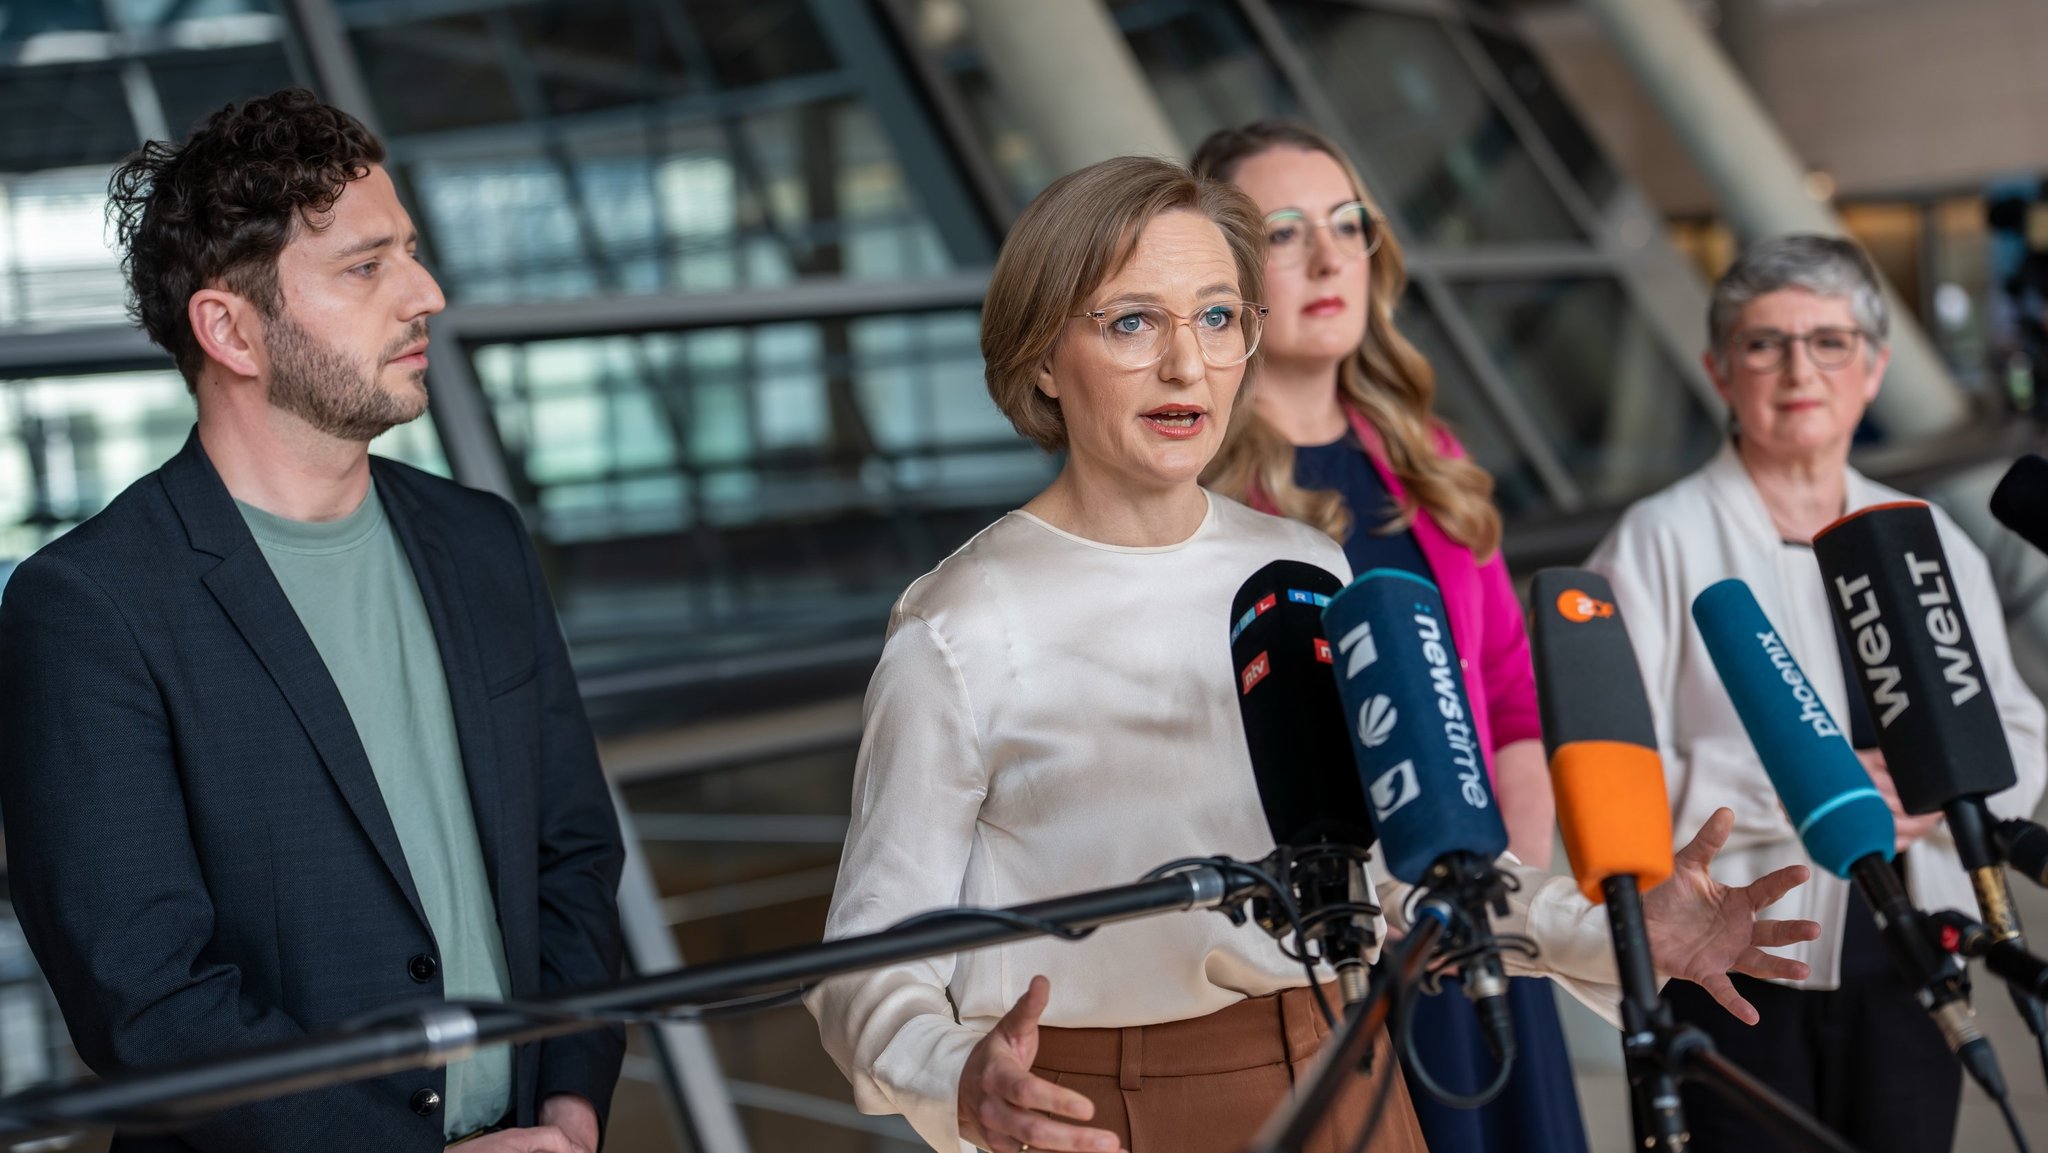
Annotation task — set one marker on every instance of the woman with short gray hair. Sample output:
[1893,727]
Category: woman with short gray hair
[1798,329]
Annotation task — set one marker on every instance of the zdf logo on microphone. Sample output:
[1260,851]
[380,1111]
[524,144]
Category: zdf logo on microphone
[1376,719]
[1579,607]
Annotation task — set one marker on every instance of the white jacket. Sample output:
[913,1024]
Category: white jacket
[1712,525]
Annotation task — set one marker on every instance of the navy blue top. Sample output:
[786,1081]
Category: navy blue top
[1343,466]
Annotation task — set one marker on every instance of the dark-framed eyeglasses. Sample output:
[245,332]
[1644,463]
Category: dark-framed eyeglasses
[1766,349]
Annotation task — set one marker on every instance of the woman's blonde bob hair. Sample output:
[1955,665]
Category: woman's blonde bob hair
[1074,236]
[1386,379]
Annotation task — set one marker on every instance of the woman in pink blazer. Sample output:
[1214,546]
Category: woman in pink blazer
[1341,433]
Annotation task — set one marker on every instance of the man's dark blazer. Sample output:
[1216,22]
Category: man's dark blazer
[197,849]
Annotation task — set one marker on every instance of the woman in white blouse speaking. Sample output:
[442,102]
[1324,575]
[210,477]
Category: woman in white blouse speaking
[1798,327]
[1055,711]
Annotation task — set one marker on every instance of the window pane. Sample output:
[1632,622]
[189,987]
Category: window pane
[782,482]
[806,184]
[1204,63]
[1447,160]
[68,445]
[55,267]
[63,114]
[1595,380]
[1516,487]
[1562,129]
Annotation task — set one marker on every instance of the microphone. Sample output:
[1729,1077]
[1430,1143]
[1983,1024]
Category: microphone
[1893,596]
[2020,502]
[1417,751]
[1840,816]
[1294,730]
[2024,845]
[1605,769]
[1612,808]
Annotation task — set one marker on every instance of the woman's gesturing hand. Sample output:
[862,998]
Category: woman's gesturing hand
[1702,930]
[1004,1107]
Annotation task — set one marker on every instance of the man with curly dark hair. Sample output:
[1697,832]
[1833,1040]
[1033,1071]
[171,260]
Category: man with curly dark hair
[288,733]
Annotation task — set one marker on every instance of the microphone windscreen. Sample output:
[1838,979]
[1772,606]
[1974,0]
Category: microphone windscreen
[1293,724]
[1895,600]
[2020,502]
[1597,728]
[1838,813]
[1411,726]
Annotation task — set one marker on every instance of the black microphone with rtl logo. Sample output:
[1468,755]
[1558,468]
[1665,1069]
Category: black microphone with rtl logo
[1295,730]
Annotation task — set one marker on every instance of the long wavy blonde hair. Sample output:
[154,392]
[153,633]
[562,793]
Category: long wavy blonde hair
[1386,379]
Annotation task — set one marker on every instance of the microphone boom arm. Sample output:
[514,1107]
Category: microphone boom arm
[437,1033]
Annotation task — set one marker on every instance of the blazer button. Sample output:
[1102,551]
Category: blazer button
[426,1102]
[423,967]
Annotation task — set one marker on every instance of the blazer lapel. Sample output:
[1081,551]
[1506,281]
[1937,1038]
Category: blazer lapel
[441,591]
[249,594]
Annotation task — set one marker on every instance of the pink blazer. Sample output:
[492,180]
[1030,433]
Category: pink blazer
[1486,616]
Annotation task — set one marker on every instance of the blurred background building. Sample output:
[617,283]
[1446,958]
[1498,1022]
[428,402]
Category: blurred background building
[714,271]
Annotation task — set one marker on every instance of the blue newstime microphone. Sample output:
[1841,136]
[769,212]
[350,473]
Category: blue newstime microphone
[1417,748]
[1840,817]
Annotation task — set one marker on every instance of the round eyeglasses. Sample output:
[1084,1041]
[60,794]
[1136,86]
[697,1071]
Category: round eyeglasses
[1138,335]
[1355,233]
[1767,349]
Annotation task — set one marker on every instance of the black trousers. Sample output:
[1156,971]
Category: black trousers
[1863,1058]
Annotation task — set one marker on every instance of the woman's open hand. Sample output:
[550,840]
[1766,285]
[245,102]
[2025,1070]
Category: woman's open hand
[1004,1107]
[1702,930]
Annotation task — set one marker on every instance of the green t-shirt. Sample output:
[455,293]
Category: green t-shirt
[354,590]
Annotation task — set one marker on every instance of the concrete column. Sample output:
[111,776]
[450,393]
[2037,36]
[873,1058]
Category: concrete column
[1760,183]
[1745,34]
[1066,70]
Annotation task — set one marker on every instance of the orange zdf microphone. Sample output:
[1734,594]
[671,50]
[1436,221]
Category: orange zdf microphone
[1611,804]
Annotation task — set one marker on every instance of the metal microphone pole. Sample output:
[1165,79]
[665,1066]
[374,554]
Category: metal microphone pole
[1970,824]
[439,1033]
[1289,1128]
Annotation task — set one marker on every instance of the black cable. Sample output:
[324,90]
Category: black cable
[1283,896]
[1405,1037]
[2012,1122]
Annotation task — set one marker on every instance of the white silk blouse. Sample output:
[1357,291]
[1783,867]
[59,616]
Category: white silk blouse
[1052,715]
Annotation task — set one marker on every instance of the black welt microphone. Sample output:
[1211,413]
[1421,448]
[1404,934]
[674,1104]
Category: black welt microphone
[1417,751]
[1894,598]
[1294,729]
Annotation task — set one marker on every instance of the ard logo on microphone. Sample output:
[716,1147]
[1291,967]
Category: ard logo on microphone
[1358,649]
[1579,607]
[1376,722]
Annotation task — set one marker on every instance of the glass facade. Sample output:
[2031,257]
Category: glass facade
[713,325]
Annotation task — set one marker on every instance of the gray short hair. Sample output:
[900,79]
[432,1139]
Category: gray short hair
[1822,265]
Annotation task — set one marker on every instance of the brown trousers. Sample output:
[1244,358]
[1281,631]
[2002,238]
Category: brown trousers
[1206,1085]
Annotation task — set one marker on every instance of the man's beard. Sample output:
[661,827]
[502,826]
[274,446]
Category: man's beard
[324,388]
